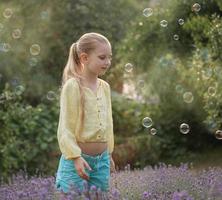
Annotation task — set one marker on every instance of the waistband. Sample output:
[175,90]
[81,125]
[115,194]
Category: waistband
[104,153]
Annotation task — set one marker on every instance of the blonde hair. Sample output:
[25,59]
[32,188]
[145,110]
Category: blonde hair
[73,68]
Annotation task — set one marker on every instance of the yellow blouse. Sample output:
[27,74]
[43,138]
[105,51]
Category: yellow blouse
[98,122]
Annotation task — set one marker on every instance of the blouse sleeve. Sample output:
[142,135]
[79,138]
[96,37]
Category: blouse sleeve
[67,120]
[110,122]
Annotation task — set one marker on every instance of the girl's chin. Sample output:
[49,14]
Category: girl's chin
[102,72]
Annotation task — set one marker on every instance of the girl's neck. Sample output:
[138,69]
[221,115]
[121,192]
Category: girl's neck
[89,79]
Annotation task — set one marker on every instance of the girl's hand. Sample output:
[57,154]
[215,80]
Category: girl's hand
[80,165]
[112,165]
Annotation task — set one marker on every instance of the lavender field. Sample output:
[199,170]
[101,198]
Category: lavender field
[161,182]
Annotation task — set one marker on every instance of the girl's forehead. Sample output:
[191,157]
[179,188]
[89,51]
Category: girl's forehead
[103,48]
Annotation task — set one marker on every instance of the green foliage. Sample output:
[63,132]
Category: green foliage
[147,40]
[134,143]
[54,26]
[27,133]
[170,68]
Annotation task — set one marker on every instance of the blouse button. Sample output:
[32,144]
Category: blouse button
[98,137]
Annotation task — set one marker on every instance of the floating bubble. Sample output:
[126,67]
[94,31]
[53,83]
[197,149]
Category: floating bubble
[196,7]
[6,47]
[19,89]
[163,23]
[35,49]
[16,33]
[188,97]
[141,83]
[180,21]
[33,61]
[141,23]
[176,37]
[147,122]
[184,128]
[7,13]
[128,67]
[179,89]
[211,91]
[218,134]
[51,95]
[147,12]
[153,131]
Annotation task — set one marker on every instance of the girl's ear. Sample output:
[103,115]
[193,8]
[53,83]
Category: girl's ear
[83,58]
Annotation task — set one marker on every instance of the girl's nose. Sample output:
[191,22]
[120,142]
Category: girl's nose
[108,62]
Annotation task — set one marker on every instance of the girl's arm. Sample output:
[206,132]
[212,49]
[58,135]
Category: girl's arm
[67,120]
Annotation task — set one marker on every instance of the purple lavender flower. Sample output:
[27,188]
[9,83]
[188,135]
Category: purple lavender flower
[160,182]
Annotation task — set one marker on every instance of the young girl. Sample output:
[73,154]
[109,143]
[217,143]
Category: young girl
[85,129]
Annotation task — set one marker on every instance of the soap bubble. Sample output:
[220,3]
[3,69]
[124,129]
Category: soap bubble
[16,33]
[51,95]
[218,134]
[147,12]
[196,7]
[180,21]
[153,131]
[163,23]
[211,91]
[176,37]
[128,67]
[141,83]
[7,13]
[188,97]
[184,128]
[179,89]
[35,49]
[147,122]
[6,47]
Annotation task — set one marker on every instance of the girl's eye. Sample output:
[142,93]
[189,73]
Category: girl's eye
[102,58]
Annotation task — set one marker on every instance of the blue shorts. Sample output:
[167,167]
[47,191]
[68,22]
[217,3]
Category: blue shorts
[67,176]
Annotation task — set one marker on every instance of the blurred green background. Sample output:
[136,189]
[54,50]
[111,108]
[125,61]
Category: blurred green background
[167,68]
